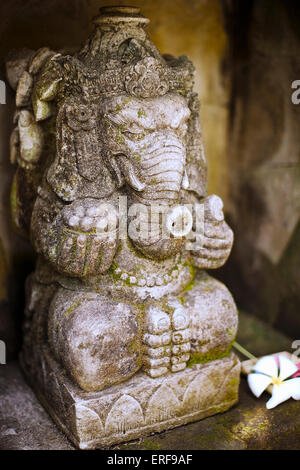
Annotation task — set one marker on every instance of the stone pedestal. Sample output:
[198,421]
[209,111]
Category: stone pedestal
[137,408]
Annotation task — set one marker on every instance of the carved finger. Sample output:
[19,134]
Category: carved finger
[182,336]
[39,59]
[218,231]
[108,253]
[14,146]
[24,89]
[77,262]
[180,318]
[87,224]
[210,254]
[156,372]
[204,261]
[180,349]
[216,243]
[178,367]
[73,221]
[42,109]
[154,363]
[68,246]
[180,359]
[31,137]
[72,217]
[156,341]
[94,256]
[156,353]
[157,321]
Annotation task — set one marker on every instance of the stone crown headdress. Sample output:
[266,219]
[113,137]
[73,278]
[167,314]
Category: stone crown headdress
[120,58]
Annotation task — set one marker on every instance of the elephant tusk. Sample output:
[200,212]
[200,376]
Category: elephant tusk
[185,180]
[129,174]
[115,167]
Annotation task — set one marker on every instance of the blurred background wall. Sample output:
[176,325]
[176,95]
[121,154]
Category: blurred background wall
[246,54]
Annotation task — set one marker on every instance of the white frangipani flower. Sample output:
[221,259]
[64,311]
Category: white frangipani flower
[277,372]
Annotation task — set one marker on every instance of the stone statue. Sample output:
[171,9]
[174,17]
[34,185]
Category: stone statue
[125,333]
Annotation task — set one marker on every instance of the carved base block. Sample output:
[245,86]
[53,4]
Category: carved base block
[138,407]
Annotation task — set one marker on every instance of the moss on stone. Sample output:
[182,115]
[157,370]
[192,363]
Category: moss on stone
[141,113]
[148,444]
[217,353]
[72,308]
[134,346]
[189,286]
[84,346]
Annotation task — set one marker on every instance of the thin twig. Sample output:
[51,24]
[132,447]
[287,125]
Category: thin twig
[243,350]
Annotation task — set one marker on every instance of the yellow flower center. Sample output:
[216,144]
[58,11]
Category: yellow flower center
[276,381]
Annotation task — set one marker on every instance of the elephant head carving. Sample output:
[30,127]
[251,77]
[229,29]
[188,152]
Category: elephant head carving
[134,143]
[123,126]
[146,145]
[146,151]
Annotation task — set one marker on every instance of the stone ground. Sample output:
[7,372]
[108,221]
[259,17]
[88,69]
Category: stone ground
[249,425]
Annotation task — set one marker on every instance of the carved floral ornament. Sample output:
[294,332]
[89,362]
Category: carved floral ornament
[145,78]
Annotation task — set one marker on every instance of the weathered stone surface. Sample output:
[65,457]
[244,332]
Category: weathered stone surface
[213,330]
[116,208]
[24,424]
[248,425]
[140,406]
[49,22]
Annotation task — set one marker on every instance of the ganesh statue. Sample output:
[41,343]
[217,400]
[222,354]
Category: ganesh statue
[125,333]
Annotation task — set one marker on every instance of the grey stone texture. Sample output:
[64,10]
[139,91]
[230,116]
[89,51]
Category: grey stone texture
[124,332]
[138,407]
[235,91]
[249,425]
[263,269]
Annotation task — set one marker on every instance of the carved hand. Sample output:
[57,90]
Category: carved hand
[81,240]
[216,242]
[89,237]
[26,141]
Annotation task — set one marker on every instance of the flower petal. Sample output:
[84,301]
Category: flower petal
[267,365]
[286,367]
[280,393]
[258,383]
[297,374]
[294,385]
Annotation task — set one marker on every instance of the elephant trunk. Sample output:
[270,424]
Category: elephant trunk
[161,176]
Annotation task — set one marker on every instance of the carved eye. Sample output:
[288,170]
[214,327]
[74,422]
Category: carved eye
[83,113]
[136,136]
[81,117]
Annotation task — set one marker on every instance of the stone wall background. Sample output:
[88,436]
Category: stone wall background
[264,152]
[246,54]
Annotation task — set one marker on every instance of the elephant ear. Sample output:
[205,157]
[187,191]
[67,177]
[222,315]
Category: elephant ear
[79,169]
[27,149]
[62,175]
[196,167]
